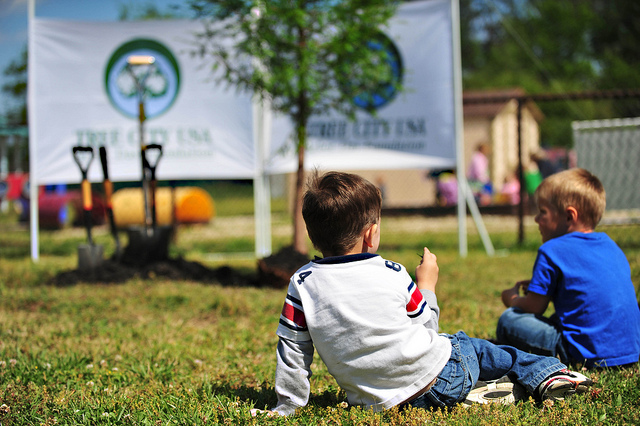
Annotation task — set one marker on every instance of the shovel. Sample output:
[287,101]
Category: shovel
[144,246]
[108,191]
[150,157]
[84,156]
[89,255]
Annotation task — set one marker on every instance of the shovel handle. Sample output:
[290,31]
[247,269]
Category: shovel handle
[108,193]
[103,161]
[87,201]
[78,149]
[108,185]
[148,165]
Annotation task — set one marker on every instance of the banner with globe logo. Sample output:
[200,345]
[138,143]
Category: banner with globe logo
[414,128]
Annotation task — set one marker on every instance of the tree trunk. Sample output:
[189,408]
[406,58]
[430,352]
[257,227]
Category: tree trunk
[302,117]
[299,228]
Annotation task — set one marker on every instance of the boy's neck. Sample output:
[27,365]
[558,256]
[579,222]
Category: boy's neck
[579,227]
[359,248]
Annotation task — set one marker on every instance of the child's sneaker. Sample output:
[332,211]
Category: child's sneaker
[501,391]
[563,383]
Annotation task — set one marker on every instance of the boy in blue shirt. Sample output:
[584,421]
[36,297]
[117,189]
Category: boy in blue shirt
[586,276]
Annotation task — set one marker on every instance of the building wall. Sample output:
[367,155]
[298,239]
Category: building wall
[400,188]
[504,142]
[403,188]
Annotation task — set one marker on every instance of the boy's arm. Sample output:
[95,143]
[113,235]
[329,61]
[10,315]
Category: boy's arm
[293,370]
[426,279]
[434,317]
[532,303]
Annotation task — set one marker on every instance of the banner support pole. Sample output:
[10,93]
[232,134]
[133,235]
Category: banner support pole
[261,187]
[33,183]
[459,128]
[464,192]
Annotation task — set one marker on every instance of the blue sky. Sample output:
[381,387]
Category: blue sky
[14,21]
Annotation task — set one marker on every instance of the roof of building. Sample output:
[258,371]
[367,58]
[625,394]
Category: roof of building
[489,103]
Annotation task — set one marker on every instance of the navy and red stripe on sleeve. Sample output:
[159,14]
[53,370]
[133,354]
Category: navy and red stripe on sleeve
[416,304]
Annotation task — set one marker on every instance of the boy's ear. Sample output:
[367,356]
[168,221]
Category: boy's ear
[572,214]
[369,233]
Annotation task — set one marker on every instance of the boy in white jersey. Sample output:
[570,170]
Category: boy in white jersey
[374,328]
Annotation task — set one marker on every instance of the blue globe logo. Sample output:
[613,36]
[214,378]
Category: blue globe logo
[387,88]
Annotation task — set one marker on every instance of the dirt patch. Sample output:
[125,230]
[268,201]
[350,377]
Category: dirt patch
[276,270]
[113,272]
[272,271]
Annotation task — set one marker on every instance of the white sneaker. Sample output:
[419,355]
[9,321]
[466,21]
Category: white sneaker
[501,391]
[563,383]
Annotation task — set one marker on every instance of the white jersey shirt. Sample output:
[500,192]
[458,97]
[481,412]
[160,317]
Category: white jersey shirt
[372,327]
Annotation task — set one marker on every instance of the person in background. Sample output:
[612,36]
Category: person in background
[447,187]
[544,163]
[478,174]
[511,189]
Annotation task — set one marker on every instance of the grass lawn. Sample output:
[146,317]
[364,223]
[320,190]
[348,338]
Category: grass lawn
[161,352]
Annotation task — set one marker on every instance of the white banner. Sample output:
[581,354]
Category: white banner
[412,129]
[84,95]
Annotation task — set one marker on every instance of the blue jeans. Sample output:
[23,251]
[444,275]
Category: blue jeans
[477,359]
[531,333]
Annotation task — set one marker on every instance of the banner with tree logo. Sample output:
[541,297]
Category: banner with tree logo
[84,93]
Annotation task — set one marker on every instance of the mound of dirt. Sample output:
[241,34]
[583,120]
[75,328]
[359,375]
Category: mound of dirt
[273,271]
[276,270]
[113,272]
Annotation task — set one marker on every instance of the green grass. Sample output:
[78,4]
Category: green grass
[161,352]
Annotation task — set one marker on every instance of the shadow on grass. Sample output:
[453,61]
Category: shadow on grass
[264,396]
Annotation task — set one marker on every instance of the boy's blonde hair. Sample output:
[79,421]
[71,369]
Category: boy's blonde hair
[576,188]
[337,208]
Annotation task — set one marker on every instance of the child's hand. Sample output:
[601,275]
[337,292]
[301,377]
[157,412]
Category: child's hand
[509,295]
[427,271]
[529,302]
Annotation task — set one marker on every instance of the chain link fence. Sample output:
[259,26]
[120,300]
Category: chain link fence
[611,150]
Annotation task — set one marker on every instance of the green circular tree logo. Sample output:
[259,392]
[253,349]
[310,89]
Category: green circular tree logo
[161,82]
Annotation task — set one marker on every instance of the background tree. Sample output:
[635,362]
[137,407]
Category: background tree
[149,11]
[307,56]
[549,46]
[615,37]
[16,90]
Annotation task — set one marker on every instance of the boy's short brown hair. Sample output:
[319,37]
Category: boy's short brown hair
[576,188]
[337,208]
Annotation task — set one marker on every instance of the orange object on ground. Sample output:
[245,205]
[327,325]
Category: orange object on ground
[192,205]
